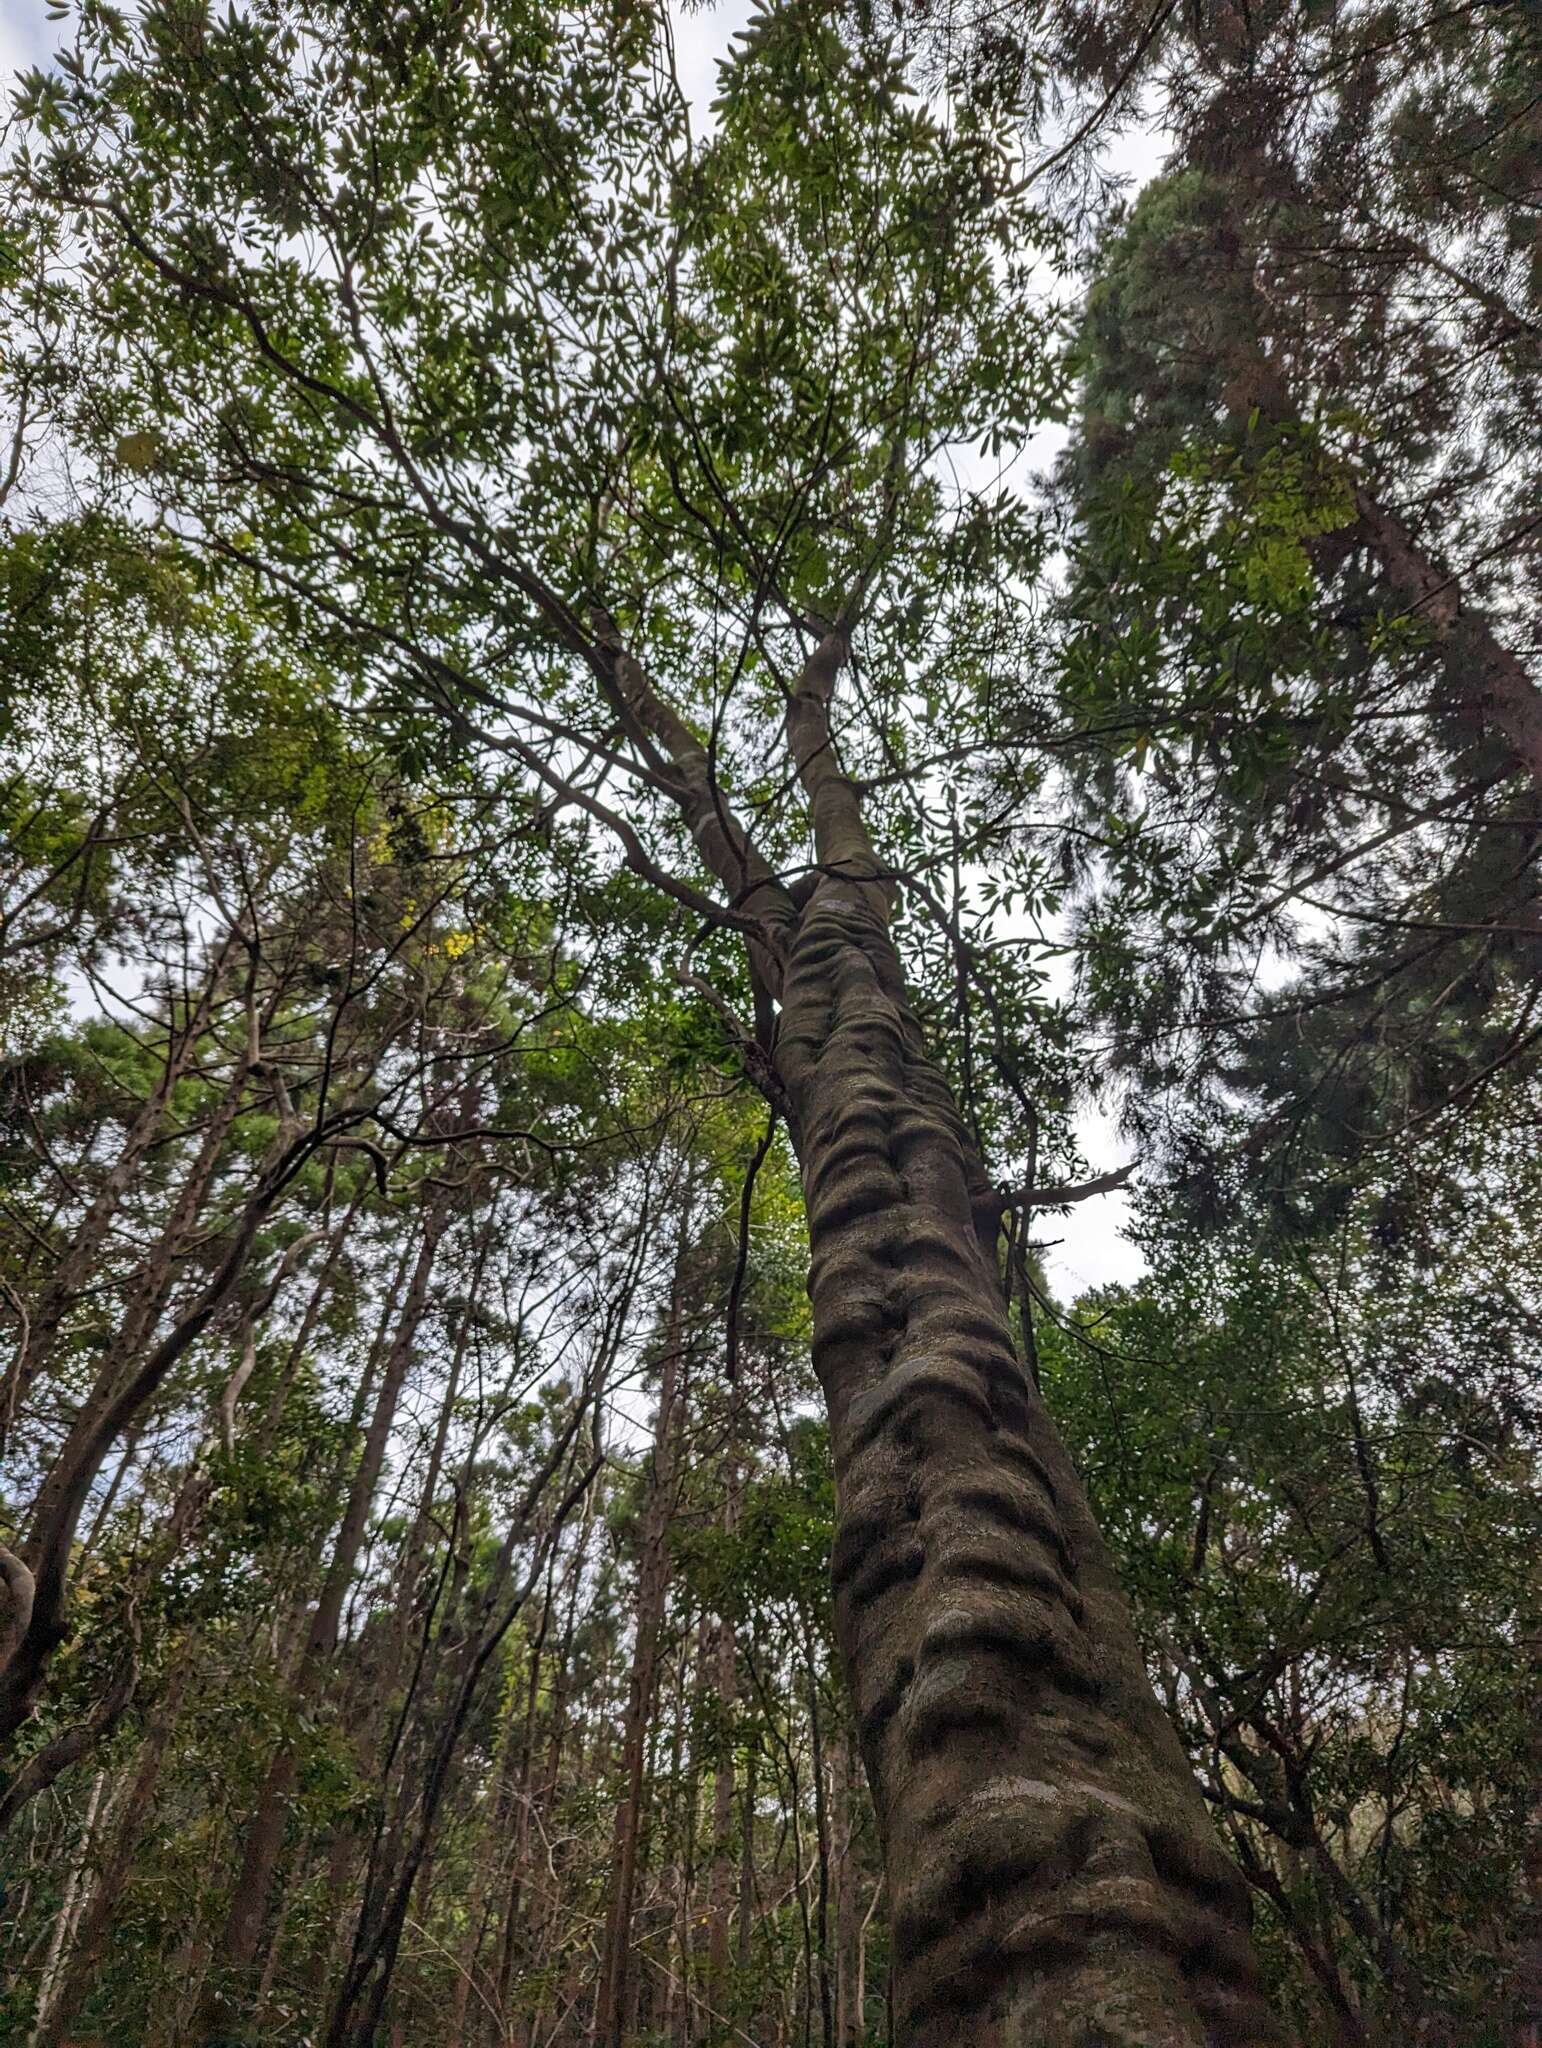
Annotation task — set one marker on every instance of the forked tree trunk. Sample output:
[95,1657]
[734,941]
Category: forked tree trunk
[1054,1878]
[1054,1881]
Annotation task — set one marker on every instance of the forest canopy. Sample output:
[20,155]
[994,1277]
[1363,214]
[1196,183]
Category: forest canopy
[678,696]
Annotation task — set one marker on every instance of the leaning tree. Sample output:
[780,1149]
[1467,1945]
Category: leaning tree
[649,460]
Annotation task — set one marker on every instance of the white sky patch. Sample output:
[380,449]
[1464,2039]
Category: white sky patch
[27,39]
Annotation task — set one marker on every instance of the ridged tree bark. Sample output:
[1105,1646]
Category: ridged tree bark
[1053,1873]
[1054,1878]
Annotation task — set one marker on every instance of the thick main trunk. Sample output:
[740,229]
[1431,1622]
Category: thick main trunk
[1053,1874]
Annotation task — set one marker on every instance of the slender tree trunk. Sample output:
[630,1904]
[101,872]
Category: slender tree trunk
[848,2024]
[746,1928]
[265,1836]
[126,1380]
[1528,1959]
[652,1591]
[519,1887]
[721,1882]
[544,1942]
[77,1265]
[1339,2017]
[637,1978]
[71,1907]
[267,1427]
[822,1844]
[1054,1877]
[398,1856]
[416,1546]
[513,1766]
[859,2001]
[669,1986]
[81,1968]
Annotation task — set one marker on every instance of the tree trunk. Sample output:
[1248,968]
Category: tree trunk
[125,1381]
[513,1770]
[1054,1878]
[80,1970]
[265,1836]
[400,1853]
[822,1845]
[1490,679]
[652,1592]
[1053,1874]
[721,1883]
[848,2011]
[416,1545]
[70,1909]
[746,1927]
[518,1868]
[545,1935]
[78,1264]
[1528,1960]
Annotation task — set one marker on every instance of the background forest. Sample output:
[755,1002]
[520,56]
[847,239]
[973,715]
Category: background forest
[560,634]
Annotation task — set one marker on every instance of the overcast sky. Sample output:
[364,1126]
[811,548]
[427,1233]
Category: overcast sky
[1091,1248]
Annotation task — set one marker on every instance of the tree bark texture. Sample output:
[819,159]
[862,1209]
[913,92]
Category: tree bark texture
[1054,1875]
[1054,1879]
